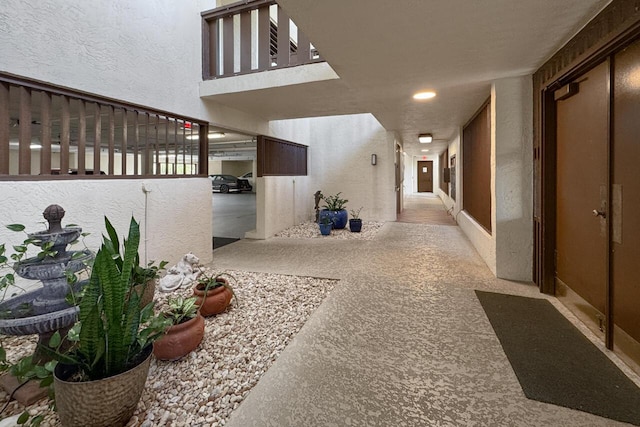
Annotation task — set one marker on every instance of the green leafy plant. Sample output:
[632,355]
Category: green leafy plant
[112,330]
[355,213]
[180,310]
[326,220]
[7,277]
[334,203]
[139,274]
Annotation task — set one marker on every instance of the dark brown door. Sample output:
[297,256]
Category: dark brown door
[625,203]
[425,176]
[582,194]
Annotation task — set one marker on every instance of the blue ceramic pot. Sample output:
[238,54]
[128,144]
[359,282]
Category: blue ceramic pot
[355,225]
[339,218]
[325,229]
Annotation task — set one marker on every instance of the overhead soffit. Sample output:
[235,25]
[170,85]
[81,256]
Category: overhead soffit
[385,51]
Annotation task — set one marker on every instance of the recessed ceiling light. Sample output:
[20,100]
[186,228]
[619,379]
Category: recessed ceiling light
[425,151]
[194,136]
[425,138]
[424,95]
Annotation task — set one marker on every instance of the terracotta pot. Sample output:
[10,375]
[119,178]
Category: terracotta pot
[102,403]
[217,299]
[180,340]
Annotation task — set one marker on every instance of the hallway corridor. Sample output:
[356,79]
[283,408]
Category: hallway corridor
[401,341]
[425,208]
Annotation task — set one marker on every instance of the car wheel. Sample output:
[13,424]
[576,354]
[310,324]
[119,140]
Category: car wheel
[224,188]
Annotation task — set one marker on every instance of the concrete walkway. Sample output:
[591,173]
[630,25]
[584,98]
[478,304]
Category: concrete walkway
[401,340]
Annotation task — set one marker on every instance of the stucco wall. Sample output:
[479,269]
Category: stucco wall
[120,49]
[175,219]
[340,149]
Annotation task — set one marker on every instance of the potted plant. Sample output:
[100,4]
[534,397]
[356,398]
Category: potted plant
[355,223]
[111,344]
[334,208]
[186,330]
[213,293]
[325,225]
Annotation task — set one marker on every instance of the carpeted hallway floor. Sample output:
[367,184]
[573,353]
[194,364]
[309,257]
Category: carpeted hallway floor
[401,341]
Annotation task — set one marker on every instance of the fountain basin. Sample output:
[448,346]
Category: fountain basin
[27,323]
[52,268]
[63,238]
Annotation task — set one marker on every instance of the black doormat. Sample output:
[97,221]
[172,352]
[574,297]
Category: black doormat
[219,242]
[557,364]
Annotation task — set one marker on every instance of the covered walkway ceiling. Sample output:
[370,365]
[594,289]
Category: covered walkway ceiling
[385,51]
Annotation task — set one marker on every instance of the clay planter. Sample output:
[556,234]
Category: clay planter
[180,339]
[109,402]
[217,299]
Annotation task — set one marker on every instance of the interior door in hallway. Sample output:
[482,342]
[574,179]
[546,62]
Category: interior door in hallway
[625,206]
[581,198]
[425,176]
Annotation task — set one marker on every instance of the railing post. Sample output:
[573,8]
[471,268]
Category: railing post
[245,41]
[111,138]
[45,133]
[97,143]
[65,135]
[264,38]
[227,41]
[283,38]
[24,163]
[82,137]
[4,128]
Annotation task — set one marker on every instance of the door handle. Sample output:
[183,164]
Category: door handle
[596,212]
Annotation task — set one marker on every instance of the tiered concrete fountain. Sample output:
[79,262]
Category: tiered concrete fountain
[44,310]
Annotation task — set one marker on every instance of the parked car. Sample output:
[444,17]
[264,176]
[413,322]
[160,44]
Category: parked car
[227,183]
[249,177]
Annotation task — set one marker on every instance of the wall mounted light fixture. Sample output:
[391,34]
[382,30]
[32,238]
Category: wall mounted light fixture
[374,159]
[425,138]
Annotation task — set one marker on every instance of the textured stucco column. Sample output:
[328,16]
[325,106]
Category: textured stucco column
[511,114]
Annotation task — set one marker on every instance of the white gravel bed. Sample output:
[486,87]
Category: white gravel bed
[311,229]
[204,387]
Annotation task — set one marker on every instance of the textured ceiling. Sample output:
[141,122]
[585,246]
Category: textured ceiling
[385,51]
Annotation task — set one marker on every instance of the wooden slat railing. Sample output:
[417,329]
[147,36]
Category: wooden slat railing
[47,132]
[255,20]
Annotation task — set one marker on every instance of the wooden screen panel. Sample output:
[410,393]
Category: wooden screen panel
[277,157]
[476,167]
[444,168]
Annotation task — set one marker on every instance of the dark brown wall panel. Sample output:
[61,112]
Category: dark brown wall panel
[476,172]
[444,166]
[277,157]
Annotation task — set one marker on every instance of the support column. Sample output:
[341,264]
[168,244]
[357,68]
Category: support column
[512,117]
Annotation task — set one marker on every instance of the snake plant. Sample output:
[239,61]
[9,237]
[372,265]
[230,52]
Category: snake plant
[112,330]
